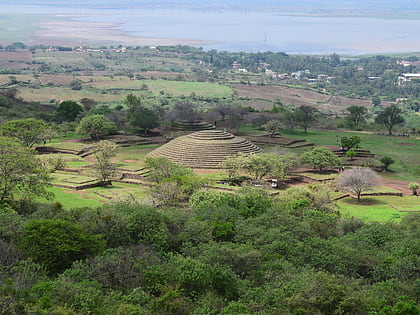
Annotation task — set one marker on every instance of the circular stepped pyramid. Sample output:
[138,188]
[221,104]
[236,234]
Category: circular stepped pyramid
[204,149]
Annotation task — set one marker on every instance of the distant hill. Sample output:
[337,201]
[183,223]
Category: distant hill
[13,108]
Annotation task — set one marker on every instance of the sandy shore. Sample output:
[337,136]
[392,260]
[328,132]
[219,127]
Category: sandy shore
[68,31]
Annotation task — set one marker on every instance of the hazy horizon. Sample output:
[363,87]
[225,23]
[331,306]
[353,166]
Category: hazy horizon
[143,22]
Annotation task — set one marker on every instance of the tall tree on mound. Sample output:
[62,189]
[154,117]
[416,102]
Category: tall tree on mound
[390,117]
[139,116]
[306,115]
[356,115]
[68,111]
[358,180]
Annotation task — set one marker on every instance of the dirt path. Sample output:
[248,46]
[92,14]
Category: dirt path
[400,185]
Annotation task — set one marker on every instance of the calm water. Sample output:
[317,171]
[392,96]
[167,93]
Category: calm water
[257,31]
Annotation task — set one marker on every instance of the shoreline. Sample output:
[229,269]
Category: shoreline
[70,30]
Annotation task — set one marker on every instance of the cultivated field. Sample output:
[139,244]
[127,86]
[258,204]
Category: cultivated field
[326,103]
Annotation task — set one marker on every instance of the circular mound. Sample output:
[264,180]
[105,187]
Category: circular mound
[204,149]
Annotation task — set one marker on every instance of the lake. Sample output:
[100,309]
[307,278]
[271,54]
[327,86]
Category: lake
[232,30]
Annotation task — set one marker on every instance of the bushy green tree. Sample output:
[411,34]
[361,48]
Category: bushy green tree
[96,126]
[389,117]
[140,116]
[29,131]
[350,142]
[351,154]
[272,126]
[56,244]
[320,158]
[22,176]
[386,161]
[68,111]
[356,116]
[305,116]
[259,165]
[413,187]
[161,168]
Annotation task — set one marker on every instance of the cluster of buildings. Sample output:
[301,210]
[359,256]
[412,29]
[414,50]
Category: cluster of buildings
[299,75]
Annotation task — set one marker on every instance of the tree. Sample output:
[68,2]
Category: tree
[96,126]
[140,116]
[21,172]
[143,118]
[56,244]
[376,101]
[161,168]
[264,164]
[356,115]
[223,110]
[291,120]
[390,117]
[29,131]
[233,164]
[68,111]
[358,180]
[76,84]
[413,187]
[351,154]
[319,158]
[186,111]
[350,142]
[236,118]
[306,115]
[104,152]
[386,161]
[88,103]
[168,193]
[272,126]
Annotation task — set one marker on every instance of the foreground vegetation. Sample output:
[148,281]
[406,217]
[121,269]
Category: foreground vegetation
[222,254]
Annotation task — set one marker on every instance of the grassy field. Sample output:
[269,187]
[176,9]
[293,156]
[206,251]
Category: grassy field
[178,88]
[76,199]
[107,89]
[379,209]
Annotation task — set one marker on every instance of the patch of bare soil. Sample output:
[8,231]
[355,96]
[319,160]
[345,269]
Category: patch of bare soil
[400,185]
[405,143]
[16,55]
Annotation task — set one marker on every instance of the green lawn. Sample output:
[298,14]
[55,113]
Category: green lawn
[178,88]
[378,208]
[75,199]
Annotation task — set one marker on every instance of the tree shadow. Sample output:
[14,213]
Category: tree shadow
[364,201]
